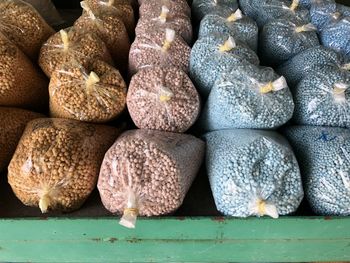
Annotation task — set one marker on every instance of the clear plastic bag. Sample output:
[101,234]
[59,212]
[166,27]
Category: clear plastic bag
[22,84]
[253,173]
[152,8]
[336,35]
[308,62]
[148,173]
[248,97]
[323,99]
[163,98]
[71,45]
[12,124]
[119,8]
[110,29]
[57,161]
[23,25]
[264,11]
[47,10]
[216,54]
[241,28]
[93,93]
[201,8]
[180,24]
[323,155]
[163,48]
[282,39]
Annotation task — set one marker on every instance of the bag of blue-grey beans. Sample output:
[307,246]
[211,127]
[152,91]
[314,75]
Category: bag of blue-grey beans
[249,97]
[200,8]
[242,28]
[215,54]
[253,173]
[324,157]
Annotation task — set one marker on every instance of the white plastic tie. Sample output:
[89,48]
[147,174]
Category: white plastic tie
[164,14]
[87,8]
[305,28]
[111,2]
[266,209]
[165,94]
[294,5]
[131,211]
[229,44]
[169,39]
[44,203]
[276,85]
[235,16]
[65,39]
[92,80]
[339,92]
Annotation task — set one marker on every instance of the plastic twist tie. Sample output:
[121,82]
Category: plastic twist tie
[65,39]
[165,94]
[276,85]
[87,8]
[45,202]
[305,28]
[261,207]
[235,16]
[228,45]
[111,2]
[92,80]
[164,14]
[169,39]
[339,92]
[294,5]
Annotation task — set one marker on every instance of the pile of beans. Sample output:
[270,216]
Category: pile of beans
[72,45]
[248,97]
[22,84]
[323,155]
[13,122]
[163,99]
[148,173]
[253,173]
[24,26]
[95,92]
[56,164]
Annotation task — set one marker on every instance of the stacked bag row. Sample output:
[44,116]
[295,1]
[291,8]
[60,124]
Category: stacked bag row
[148,171]
[307,47]
[57,161]
[251,172]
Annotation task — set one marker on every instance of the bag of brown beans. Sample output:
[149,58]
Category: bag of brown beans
[92,93]
[152,8]
[180,24]
[23,25]
[110,29]
[12,124]
[47,10]
[118,8]
[163,98]
[163,48]
[148,173]
[57,161]
[21,83]
[72,45]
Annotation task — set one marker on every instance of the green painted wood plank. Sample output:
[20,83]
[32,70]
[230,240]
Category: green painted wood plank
[288,239]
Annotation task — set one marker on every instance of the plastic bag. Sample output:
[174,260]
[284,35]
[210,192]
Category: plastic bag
[282,39]
[21,85]
[47,10]
[23,25]
[201,8]
[248,97]
[110,29]
[337,36]
[163,48]
[312,60]
[264,11]
[92,93]
[152,8]
[323,98]
[118,8]
[241,28]
[57,161]
[72,45]
[148,173]
[216,54]
[253,173]
[163,98]
[323,155]
[324,13]
[180,24]
[12,124]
